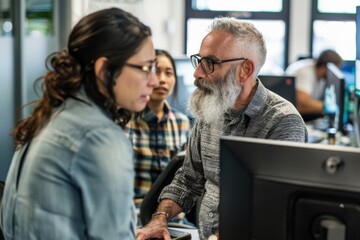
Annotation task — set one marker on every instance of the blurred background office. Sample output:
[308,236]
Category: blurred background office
[31,29]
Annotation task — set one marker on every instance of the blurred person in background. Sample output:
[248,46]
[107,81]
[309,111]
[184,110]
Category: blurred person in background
[310,82]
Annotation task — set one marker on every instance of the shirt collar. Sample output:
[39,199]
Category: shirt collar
[257,102]
[149,116]
[255,105]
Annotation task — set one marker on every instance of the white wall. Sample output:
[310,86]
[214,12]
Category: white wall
[163,16]
[166,19]
[300,14]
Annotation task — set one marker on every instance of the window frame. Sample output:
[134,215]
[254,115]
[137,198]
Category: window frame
[316,15]
[283,15]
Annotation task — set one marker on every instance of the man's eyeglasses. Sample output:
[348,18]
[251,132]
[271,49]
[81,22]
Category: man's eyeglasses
[145,68]
[207,64]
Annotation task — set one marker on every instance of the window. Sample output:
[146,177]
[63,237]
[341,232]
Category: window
[6,25]
[39,18]
[339,6]
[270,17]
[239,5]
[333,26]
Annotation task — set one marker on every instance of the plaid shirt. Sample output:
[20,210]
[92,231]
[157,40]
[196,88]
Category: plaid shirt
[155,143]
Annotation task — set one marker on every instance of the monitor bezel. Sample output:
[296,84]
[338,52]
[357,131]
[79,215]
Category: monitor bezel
[283,85]
[295,179]
[357,60]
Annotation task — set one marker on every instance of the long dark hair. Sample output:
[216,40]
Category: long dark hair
[111,33]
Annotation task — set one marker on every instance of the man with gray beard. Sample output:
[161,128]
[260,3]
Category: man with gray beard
[229,100]
[211,100]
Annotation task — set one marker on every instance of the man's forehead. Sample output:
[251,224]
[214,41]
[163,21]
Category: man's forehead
[219,44]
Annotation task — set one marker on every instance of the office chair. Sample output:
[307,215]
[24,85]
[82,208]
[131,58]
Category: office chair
[150,201]
[2,186]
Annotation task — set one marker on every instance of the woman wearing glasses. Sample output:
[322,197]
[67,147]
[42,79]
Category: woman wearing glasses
[159,132]
[72,174]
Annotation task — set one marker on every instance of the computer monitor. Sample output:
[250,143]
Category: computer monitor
[356,121]
[356,111]
[278,190]
[336,77]
[281,85]
[357,61]
[357,77]
[185,71]
[348,69]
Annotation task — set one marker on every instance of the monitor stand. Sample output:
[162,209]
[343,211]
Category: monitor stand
[316,218]
[331,229]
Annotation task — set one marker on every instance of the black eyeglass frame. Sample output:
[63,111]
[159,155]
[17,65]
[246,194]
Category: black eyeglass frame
[199,59]
[145,68]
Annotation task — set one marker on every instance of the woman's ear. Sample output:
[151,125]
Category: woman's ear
[100,65]
[246,71]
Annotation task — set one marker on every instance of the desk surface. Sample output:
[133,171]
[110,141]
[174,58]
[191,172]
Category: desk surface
[321,136]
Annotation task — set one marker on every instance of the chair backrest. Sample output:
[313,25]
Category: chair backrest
[150,202]
[2,185]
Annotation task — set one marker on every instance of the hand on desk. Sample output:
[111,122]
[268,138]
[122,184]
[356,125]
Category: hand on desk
[215,236]
[156,228]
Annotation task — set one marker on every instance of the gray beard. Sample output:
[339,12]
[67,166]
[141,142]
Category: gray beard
[210,104]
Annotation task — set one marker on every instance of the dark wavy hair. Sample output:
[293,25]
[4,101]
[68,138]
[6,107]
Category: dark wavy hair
[328,56]
[111,33]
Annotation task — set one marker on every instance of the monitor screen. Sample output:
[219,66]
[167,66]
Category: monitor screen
[357,62]
[357,77]
[336,77]
[281,85]
[278,190]
[348,69]
[185,84]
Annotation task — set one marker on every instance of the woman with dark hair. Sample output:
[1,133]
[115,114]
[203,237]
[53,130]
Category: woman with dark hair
[72,174]
[159,132]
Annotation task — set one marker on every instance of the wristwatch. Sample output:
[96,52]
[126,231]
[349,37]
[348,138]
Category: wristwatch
[213,237]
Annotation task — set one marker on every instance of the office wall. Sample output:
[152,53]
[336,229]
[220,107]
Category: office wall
[163,16]
[22,57]
[300,25]
[6,103]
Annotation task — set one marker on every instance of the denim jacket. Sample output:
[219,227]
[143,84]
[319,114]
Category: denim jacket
[76,181]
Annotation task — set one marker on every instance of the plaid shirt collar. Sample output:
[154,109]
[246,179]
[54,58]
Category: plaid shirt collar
[150,117]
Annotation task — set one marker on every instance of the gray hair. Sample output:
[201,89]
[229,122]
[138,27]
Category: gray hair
[250,40]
